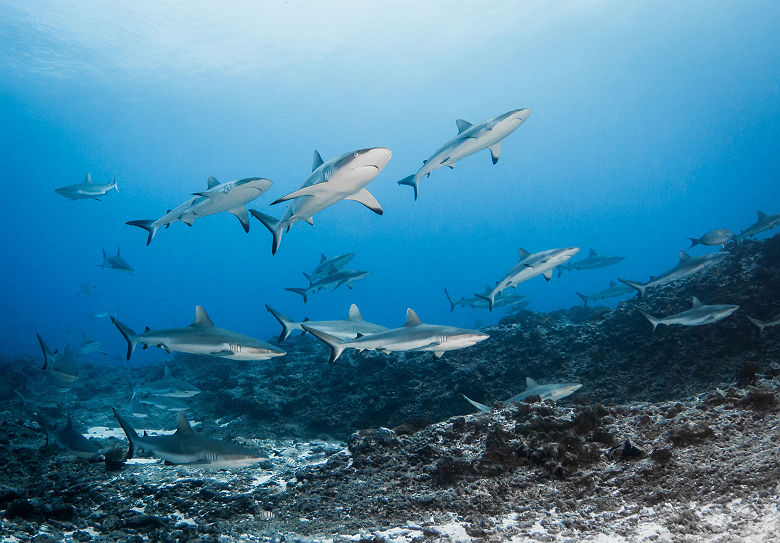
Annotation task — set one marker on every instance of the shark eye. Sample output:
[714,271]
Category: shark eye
[355,155]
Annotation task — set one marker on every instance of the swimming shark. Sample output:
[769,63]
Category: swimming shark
[200,337]
[168,386]
[697,315]
[763,222]
[86,190]
[612,291]
[471,139]
[88,346]
[187,447]
[530,265]
[60,367]
[552,391]
[345,329]
[719,236]
[687,266]
[115,262]
[232,197]
[413,336]
[68,438]
[592,261]
[764,324]
[333,281]
[329,265]
[477,302]
[165,403]
[342,178]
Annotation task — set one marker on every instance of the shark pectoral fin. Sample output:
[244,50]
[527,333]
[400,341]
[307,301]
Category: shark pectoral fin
[163,347]
[311,190]
[495,151]
[367,199]
[242,216]
[188,220]
[438,354]
[310,221]
[548,274]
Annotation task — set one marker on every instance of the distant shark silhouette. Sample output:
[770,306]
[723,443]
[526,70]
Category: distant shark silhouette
[86,190]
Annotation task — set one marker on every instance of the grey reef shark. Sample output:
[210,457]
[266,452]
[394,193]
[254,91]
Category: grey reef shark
[414,336]
[764,324]
[763,222]
[687,266]
[115,262]
[342,178]
[345,329]
[612,291]
[232,197]
[551,391]
[697,315]
[200,337]
[478,302]
[530,265]
[68,438]
[592,261]
[471,139]
[87,190]
[187,447]
[332,281]
[168,386]
[327,265]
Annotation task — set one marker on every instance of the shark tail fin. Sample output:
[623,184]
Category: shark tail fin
[482,407]
[490,299]
[655,321]
[116,186]
[301,291]
[761,324]
[412,182]
[130,432]
[46,351]
[640,287]
[583,296]
[146,224]
[130,336]
[449,299]
[336,347]
[287,324]
[275,226]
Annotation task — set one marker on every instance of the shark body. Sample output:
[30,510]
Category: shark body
[612,291]
[332,281]
[345,329]
[68,438]
[479,302]
[329,265]
[168,386]
[86,190]
[687,266]
[592,261]
[116,263]
[551,391]
[763,222]
[697,315]
[764,324]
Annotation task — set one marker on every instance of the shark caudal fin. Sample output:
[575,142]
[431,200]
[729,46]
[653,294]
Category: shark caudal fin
[146,224]
[449,299]
[655,321]
[302,291]
[640,287]
[274,226]
[490,300]
[132,435]
[336,347]
[116,186]
[130,336]
[288,325]
[47,353]
[584,297]
[482,407]
[761,324]
[412,181]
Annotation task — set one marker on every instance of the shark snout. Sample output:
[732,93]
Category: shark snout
[378,157]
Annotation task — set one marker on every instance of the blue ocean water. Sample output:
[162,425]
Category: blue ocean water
[652,122]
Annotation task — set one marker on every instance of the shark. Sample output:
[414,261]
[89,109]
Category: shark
[697,315]
[168,386]
[200,337]
[329,265]
[763,222]
[86,291]
[232,196]
[687,266]
[115,262]
[342,178]
[187,447]
[68,438]
[476,302]
[592,261]
[612,291]
[59,367]
[530,265]
[86,190]
[334,280]
[165,403]
[764,324]
[345,329]
[719,236]
[552,391]
[471,139]
[414,336]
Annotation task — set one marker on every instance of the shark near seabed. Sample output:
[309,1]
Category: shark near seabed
[478,302]
[612,291]
[116,263]
[187,447]
[688,265]
[232,197]
[342,178]
[86,190]
[530,265]
[471,139]
[592,261]
[697,315]
[414,336]
[763,222]
[346,329]
[168,386]
[332,281]
[764,324]
[68,438]
[201,337]
[552,391]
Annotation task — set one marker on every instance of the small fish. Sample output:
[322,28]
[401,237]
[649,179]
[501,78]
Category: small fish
[719,236]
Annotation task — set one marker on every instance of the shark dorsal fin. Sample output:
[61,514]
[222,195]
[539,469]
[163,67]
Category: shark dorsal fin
[212,182]
[201,317]
[167,373]
[530,383]
[323,258]
[354,313]
[317,161]
[684,256]
[761,215]
[462,125]
[88,180]
[117,251]
[592,253]
[411,318]
[182,425]
[695,302]
[523,254]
